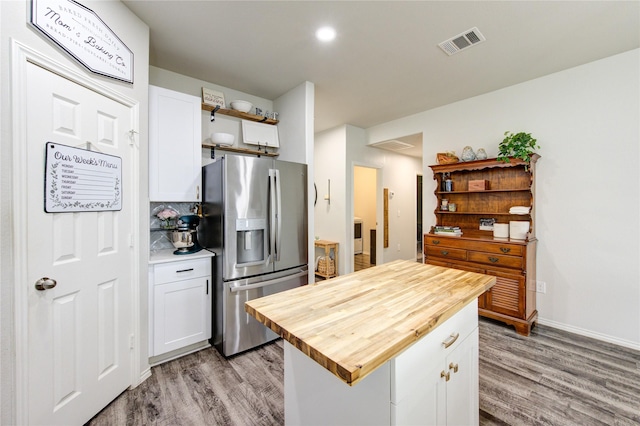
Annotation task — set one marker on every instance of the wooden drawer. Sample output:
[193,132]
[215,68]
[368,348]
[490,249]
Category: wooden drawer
[446,252]
[496,259]
[181,270]
[498,247]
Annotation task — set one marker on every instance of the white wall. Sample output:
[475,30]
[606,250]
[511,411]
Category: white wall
[586,120]
[296,108]
[14,17]
[337,152]
[329,165]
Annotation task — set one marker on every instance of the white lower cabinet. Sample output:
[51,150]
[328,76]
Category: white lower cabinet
[433,382]
[180,302]
[449,394]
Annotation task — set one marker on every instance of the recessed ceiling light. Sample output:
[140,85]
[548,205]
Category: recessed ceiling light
[326,34]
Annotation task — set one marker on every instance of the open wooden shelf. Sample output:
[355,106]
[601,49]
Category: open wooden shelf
[238,114]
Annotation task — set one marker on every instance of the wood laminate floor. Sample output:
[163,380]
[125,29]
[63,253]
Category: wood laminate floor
[550,378]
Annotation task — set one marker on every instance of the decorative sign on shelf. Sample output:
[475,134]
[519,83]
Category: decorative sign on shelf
[78,180]
[212,97]
[83,35]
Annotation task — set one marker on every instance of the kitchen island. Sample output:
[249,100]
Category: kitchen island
[392,344]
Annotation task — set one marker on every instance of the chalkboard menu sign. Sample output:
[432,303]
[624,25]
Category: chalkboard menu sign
[78,180]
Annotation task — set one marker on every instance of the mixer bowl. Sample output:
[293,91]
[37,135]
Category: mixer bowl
[182,239]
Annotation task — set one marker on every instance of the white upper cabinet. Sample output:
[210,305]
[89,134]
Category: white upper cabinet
[175,138]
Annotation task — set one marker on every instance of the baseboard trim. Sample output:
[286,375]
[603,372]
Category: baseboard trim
[143,376]
[592,334]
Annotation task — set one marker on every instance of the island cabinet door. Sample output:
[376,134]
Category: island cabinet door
[448,395]
[435,381]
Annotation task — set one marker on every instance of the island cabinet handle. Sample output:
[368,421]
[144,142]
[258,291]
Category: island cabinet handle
[453,367]
[493,259]
[505,249]
[444,252]
[451,340]
[435,242]
[446,375]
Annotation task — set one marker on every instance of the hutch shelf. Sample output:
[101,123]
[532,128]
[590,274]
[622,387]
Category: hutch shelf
[512,261]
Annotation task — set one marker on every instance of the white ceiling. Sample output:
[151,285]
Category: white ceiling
[385,62]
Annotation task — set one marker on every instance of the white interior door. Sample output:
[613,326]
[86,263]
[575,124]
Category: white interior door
[78,331]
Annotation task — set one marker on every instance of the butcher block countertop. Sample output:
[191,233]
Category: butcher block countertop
[354,323]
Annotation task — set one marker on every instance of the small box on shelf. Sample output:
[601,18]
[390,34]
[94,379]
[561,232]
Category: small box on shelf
[478,185]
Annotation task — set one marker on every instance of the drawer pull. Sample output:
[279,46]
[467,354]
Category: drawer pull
[505,249]
[451,340]
[435,242]
[444,252]
[184,270]
[453,367]
[493,259]
[446,375]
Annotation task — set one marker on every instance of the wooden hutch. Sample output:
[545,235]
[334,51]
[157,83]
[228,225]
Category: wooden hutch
[497,186]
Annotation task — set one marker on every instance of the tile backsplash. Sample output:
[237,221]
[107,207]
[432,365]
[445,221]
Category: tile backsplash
[160,238]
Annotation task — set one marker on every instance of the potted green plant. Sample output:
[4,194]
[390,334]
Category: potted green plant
[519,145]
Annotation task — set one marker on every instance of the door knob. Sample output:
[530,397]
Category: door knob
[45,283]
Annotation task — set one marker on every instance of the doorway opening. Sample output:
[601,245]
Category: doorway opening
[364,220]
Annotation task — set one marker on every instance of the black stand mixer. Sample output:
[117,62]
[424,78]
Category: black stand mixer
[185,236]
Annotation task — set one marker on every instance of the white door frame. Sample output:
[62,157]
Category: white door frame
[21,54]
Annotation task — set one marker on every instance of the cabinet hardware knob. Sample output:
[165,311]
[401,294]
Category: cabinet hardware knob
[446,375]
[444,252]
[493,259]
[451,340]
[453,367]
[435,242]
[505,249]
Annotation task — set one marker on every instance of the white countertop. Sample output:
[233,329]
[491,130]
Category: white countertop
[164,256]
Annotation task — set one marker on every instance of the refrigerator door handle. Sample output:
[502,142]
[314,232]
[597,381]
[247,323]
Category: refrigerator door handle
[279,216]
[236,288]
[272,212]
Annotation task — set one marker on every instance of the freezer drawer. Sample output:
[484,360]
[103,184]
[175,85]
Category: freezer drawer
[236,331]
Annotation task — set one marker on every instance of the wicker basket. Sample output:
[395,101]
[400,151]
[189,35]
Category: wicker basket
[446,158]
[326,266]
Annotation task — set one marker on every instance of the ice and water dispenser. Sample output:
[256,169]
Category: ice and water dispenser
[251,241]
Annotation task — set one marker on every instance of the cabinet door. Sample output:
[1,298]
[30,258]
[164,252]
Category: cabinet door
[175,155]
[507,296]
[181,315]
[463,385]
[427,403]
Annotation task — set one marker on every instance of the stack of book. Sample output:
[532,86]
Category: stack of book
[454,231]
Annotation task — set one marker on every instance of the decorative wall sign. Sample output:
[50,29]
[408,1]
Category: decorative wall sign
[212,97]
[83,35]
[80,180]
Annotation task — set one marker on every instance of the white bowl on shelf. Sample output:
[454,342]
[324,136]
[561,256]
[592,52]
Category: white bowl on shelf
[223,139]
[242,106]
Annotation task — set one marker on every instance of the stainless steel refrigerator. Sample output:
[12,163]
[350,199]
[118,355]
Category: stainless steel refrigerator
[255,220]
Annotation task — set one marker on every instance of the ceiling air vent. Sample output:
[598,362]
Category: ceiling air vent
[462,41]
[393,145]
